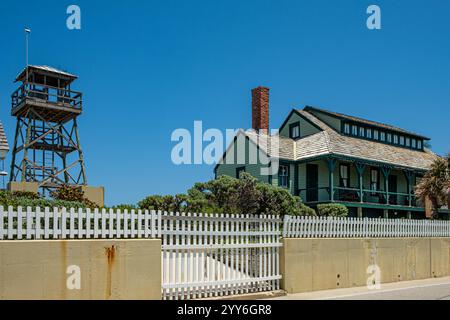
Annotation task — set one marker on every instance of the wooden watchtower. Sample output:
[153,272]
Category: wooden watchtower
[46,146]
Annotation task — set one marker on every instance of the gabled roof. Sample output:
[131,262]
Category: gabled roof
[332,142]
[48,69]
[364,121]
[329,142]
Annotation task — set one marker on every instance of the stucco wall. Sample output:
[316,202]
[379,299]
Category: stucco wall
[110,269]
[321,264]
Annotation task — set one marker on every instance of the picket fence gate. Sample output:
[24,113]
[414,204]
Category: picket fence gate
[212,255]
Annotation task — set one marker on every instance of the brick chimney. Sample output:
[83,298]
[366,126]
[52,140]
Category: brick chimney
[260,108]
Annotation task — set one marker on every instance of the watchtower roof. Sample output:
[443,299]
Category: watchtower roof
[46,70]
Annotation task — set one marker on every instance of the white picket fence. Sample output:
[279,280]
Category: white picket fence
[331,227]
[78,224]
[207,255]
[217,255]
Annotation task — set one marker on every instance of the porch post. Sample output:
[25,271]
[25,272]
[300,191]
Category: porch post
[360,169]
[386,171]
[331,167]
[409,178]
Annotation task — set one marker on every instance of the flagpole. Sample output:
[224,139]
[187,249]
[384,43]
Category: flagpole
[27,32]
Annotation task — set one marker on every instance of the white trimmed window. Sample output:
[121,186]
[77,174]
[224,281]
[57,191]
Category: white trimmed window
[375,134]
[344,173]
[346,128]
[389,137]
[373,180]
[362,131]
[395,139]
[283,177]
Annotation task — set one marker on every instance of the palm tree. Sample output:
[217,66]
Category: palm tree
[435,185]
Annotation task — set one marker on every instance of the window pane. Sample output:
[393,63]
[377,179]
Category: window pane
[375,134]
[355,130]
[414,143]
[389,137]
[295,132]
[382,136]
[369,133]
[283,176]
[395,139]
[347,128]
[408,142]
[361,131]
[402,140]
[419,144]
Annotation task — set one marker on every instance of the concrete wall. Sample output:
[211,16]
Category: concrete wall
[321,264]
[110,269]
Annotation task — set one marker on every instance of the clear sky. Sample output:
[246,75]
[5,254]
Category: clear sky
[149,67]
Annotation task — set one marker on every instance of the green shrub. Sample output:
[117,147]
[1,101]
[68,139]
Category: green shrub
[123,207]
[306,211]
[332,210]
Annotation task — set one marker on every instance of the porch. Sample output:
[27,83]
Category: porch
[357,183]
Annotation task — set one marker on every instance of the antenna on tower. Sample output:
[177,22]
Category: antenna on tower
[27,32]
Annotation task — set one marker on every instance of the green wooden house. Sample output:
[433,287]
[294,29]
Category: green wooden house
[326,157]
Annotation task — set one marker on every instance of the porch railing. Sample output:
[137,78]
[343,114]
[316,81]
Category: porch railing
[354,195]
[46,93]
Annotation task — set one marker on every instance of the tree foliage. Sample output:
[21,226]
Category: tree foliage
[231,196]
[435,185]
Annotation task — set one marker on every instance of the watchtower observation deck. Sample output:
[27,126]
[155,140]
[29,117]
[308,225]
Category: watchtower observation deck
[47,91]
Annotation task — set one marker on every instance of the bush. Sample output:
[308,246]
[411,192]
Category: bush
[25,194]
[123,207]
[306,211]
[332,210]
[68,193]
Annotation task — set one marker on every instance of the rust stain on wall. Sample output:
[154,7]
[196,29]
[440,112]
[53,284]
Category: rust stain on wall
[110,255]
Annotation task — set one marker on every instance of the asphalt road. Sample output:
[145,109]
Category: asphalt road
[429,289]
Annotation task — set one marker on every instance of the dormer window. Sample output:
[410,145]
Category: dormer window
[361,131]
[346,128]
[389,138]
[295,130]
[395,139]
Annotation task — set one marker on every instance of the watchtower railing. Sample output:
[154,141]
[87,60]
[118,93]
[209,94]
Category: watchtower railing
[45,93]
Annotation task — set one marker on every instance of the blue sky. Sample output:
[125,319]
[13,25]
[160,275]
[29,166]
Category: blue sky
[149,67]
